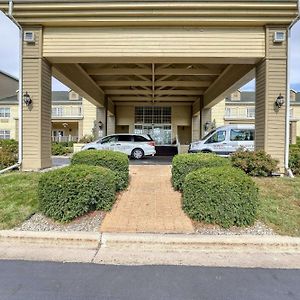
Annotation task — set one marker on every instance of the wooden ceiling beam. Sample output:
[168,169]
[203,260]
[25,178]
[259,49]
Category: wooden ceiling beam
[123,83]
[146,71]
[182,83]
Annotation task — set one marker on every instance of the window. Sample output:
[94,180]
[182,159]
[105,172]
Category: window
[139,138]
[109,139]
[4,112]
[57,111]
[217,137]
[73,96]
[250,112]
[152,115]
[4,134]
[124,138]
[227,112]
[242,135]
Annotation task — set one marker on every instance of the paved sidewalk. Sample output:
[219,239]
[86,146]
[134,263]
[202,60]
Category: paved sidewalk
[149,205]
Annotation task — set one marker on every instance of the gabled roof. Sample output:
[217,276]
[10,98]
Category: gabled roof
[9,75]
[249,96]
[8,85]
[246,96]
[57,98]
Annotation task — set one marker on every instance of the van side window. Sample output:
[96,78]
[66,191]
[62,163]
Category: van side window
[242,135]
[109,139]
[217,137]
[124,138]
[139,138]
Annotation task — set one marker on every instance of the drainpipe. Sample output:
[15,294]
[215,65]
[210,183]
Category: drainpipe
[20,94]
[288,100]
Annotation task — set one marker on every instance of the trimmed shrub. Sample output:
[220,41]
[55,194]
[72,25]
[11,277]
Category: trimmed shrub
[115,161]
[255,163]
[59,149]
[294,160]
[9,146]
[223,195]
[183,164]
[87,139]
[67,193]
[7,158]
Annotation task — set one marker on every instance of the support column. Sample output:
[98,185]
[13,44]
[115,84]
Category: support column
[111,124]
[196,124]
[101,111]
[36,116]
[80,129]
[271,81]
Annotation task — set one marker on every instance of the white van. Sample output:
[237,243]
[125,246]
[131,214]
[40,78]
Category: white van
[225,140]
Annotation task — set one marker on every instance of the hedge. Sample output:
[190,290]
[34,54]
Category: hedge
[255,163]
[9,146]
[223,195]
[183,164]
[67,193]
[7,159]
[60,148]
[294,159]
[115,161]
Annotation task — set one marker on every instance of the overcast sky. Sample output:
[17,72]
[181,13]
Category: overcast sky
[9,54]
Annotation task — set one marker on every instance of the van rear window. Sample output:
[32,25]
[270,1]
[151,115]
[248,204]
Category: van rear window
[139,138]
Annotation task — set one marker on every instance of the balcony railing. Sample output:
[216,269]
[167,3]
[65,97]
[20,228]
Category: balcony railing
[69,138]
[240,115]
[61,112]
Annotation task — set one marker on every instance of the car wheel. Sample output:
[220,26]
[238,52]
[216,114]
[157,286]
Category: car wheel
[137,153]
[206,151]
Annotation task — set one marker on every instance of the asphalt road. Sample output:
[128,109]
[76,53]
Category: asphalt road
[45,280]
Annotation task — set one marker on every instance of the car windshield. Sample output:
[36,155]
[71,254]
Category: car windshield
[207,135]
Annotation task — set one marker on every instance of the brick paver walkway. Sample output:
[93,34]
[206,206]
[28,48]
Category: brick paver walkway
[149,205]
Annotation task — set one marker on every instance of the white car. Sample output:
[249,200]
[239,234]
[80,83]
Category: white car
[135,145]
[226,140]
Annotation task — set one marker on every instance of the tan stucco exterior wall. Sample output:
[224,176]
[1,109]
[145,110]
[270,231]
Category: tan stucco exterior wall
[296,115]
[10,123]
[89,112]
[217,113]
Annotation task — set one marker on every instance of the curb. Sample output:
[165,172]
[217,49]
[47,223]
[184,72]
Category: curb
[208,243]
[148,241]
[81,240]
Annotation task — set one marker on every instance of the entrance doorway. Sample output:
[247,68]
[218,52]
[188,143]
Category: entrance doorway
[160,133]
[156,121]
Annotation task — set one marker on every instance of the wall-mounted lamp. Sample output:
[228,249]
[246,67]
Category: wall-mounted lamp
[279,101]
[27,99]
[100,125]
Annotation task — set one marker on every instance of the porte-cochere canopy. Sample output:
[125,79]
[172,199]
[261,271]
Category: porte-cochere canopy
[184,55]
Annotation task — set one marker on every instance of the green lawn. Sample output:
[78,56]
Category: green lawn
[279,208]
[18,198]
[280,204]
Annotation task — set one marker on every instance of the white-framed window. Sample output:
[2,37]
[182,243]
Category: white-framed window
[4,112]
[57,111]
[250,112]
[227,112]
[4,134]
